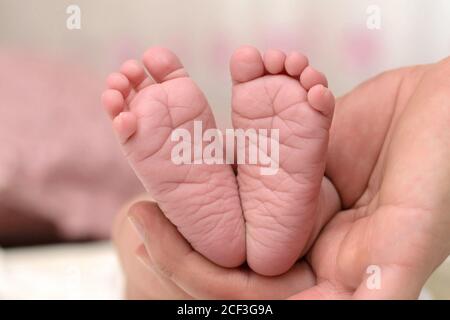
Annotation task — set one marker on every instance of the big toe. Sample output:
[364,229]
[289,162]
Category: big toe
[246,64]
[163,64]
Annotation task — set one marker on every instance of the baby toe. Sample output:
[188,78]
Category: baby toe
[311,77]
[119,82]
[125,125]
[163,64]
[321,99]
[135,73]
[295,63]
[246,64]
[113,102]
[274,61]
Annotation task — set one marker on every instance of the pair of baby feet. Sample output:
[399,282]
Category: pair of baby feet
[226,216]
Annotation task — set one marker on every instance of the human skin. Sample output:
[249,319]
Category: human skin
[201,200]
[282,91]
[264,219]
[388,159]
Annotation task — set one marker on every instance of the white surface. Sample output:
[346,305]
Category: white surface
[82,271]
[86,271]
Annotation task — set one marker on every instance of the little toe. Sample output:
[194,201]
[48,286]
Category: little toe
[311,77]
[246,64]
[274,61]
[125,124]
[113,102]
[119,82]
[163,64]
[321,99]
[295,63]
[135,73]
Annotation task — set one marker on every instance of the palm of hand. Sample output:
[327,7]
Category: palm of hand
[388,159]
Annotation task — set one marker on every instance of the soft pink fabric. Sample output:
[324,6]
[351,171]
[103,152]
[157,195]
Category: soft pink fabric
[58,155]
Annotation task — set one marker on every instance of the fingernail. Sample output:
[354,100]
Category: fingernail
[144,260]
[138,227]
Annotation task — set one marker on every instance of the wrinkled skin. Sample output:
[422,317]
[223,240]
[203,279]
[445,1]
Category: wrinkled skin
[279,91]
[207,202]
[389,161]
[388,158]
[202,200]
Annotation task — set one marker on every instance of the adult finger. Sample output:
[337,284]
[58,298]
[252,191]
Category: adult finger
[141,281]
[199,277]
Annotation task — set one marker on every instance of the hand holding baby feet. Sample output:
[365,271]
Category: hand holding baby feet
[394,215]
[281,210]
[284,209]
[201,200]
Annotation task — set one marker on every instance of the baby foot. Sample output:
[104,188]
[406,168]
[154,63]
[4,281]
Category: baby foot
[279,92]
[201,200]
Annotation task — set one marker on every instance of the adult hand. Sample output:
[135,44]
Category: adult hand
[159,264]
[388,159]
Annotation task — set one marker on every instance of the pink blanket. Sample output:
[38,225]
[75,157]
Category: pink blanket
[58,155]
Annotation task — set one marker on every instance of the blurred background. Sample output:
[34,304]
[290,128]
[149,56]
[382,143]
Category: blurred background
[57,149]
